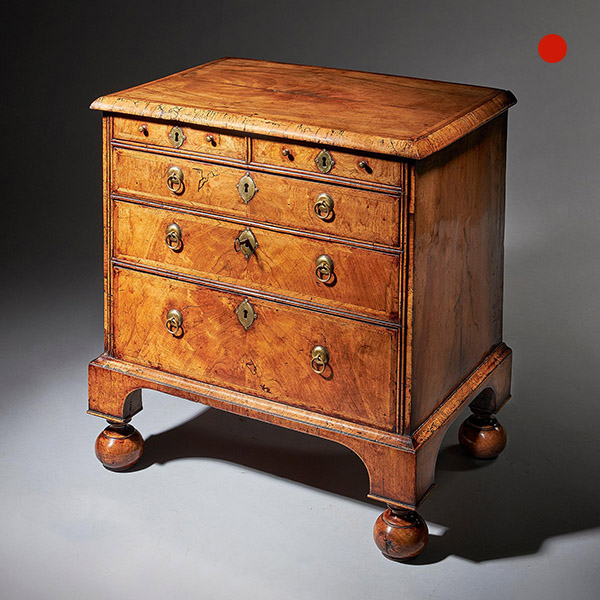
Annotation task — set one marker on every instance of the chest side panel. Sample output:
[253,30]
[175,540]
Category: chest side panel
[458,262]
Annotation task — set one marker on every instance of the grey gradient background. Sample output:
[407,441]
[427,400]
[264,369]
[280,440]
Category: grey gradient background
[223,507]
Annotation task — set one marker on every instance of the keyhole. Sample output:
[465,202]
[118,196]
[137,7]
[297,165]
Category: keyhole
[245,313]
[246,187]
[176,136]
[324,161]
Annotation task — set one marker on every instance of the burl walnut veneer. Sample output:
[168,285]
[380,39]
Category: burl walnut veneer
[314,248]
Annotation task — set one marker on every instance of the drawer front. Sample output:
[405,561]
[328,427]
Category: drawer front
[355,214]
[184,137]
[362,280]
[271,359]
[319,160]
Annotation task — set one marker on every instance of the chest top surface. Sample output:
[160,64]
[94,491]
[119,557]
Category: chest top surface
[386,114]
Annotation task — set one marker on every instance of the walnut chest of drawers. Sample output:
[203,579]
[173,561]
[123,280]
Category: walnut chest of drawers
[316,248]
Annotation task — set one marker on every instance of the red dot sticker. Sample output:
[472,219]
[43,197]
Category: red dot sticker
[552,48]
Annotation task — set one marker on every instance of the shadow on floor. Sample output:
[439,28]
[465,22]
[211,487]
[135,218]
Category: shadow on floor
[490,509]
[305,459]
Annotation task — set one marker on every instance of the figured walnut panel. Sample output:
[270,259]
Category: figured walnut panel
[358,214]
[364,281]
[271,359]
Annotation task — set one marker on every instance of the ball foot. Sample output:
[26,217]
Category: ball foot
[400,534]
[482,436]
[119,446]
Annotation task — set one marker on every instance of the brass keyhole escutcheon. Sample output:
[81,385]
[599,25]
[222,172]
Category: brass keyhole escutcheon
[319,358]
[246,188]
[324,269]
[246,243]
[246,314]
[174,322]
[177,136]
[175,180]
[174,237]
[324,206]
[324,161]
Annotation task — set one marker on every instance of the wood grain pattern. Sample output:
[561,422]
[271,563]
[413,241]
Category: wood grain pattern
[119,446]
[388,458]
[384,114]
[413,320]
[156,133]
[489,382]
[482,437]
[401,472]
[458,264]
[378,169]
[400,534]
[364,280]
[107,231]
[358,214]
[271,359]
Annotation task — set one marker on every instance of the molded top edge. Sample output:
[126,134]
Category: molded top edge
[384,114]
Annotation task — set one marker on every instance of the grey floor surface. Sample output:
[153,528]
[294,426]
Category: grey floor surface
[224,507]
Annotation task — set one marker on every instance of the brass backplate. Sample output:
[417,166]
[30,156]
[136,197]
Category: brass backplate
[177,136]
[324,207]
[246,314]
[324,161]
[319,359]
[246,188]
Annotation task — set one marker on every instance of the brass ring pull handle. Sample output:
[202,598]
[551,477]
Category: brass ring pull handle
[175,180]
[324,270]
[324,206]
[174,322]
[173,237]
[246,242]
[319,359]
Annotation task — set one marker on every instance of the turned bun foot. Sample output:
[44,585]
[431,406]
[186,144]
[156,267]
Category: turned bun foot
[119,446]
[400,534]
[482,436]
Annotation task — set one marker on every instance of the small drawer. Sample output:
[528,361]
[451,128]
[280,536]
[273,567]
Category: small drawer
[328,273]
[179,137]
[327,161]
[313,206]
[194,331]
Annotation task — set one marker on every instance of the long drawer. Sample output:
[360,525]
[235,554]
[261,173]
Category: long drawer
[358,279]
[272,359]
[331,209]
